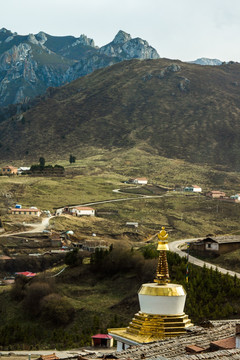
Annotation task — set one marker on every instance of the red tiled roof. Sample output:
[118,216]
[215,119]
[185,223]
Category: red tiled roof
[20,209]
[26,273]
[194,349]
[217,192]
[83,208]
[102,336]
[49,357]
[5,257]
[228,343]
[9,167]
[141,178]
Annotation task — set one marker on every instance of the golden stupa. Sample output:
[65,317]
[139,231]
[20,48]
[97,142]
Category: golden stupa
[161,312]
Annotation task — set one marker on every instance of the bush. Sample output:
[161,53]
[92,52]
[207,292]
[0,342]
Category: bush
[56,309]
[17,290]
[34,294]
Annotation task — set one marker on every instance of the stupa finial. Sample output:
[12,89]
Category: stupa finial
[162,274]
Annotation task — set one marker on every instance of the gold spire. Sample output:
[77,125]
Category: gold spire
[162,275]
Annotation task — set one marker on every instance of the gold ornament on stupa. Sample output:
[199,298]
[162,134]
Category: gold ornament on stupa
[162,274]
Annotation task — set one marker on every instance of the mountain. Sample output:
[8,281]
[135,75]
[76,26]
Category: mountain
[206,61]
[174,109]
[32,63]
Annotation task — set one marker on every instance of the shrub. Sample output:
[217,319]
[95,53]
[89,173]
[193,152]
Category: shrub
[56,309]
[34,293]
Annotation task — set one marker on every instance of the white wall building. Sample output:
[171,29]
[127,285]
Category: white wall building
[140,181]
[82,211]
[193,188]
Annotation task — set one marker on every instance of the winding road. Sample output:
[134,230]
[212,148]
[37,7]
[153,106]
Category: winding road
[175,246]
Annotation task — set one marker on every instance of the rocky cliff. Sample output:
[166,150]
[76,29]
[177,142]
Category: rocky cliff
[30,64]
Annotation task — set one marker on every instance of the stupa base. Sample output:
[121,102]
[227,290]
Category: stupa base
[145,328]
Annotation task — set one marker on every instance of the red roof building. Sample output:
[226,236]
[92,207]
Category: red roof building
[103,340]
[26,273]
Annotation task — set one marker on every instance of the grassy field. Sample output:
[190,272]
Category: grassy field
[94,177]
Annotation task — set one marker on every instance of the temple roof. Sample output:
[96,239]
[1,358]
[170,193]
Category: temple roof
[175,347]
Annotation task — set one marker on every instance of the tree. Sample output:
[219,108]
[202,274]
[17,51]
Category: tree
[73,258]
[42,161]
[72,159]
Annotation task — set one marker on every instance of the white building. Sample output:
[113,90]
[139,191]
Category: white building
[193,188]
[140,181]
[23,169]
[82,211]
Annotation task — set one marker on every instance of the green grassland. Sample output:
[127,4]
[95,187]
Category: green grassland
[93,178]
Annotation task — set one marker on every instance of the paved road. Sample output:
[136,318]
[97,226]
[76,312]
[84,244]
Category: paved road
[175,246]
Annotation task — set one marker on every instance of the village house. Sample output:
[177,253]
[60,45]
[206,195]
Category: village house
[33,211]
[139,181]
[216,194]
[82,211]
[193,188]
[216,245]
[9,170]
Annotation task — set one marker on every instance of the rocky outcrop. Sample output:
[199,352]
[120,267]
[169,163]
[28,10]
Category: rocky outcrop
[206,61]
[127,48]
[32,63]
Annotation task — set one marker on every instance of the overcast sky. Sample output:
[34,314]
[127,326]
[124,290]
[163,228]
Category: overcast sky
[178,29]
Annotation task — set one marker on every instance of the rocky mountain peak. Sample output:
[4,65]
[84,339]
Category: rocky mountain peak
[127,48]
[38,61]
[121,37]
[32,39]
[84,40]
[41,37]
[206,61]
[3,30]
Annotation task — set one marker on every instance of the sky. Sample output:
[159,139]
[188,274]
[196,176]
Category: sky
[177,29]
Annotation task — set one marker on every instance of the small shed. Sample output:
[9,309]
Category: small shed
[216,245]
[132,224]
[103,340]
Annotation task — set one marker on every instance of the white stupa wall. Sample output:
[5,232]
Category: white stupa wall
[162,305]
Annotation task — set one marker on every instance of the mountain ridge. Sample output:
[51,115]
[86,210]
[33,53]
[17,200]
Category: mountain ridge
[29,64]
[177,110]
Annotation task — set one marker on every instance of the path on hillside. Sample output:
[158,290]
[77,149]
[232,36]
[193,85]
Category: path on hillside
[175,246]
[137,197]
[36,227]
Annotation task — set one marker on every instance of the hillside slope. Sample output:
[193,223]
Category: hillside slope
[174,109]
